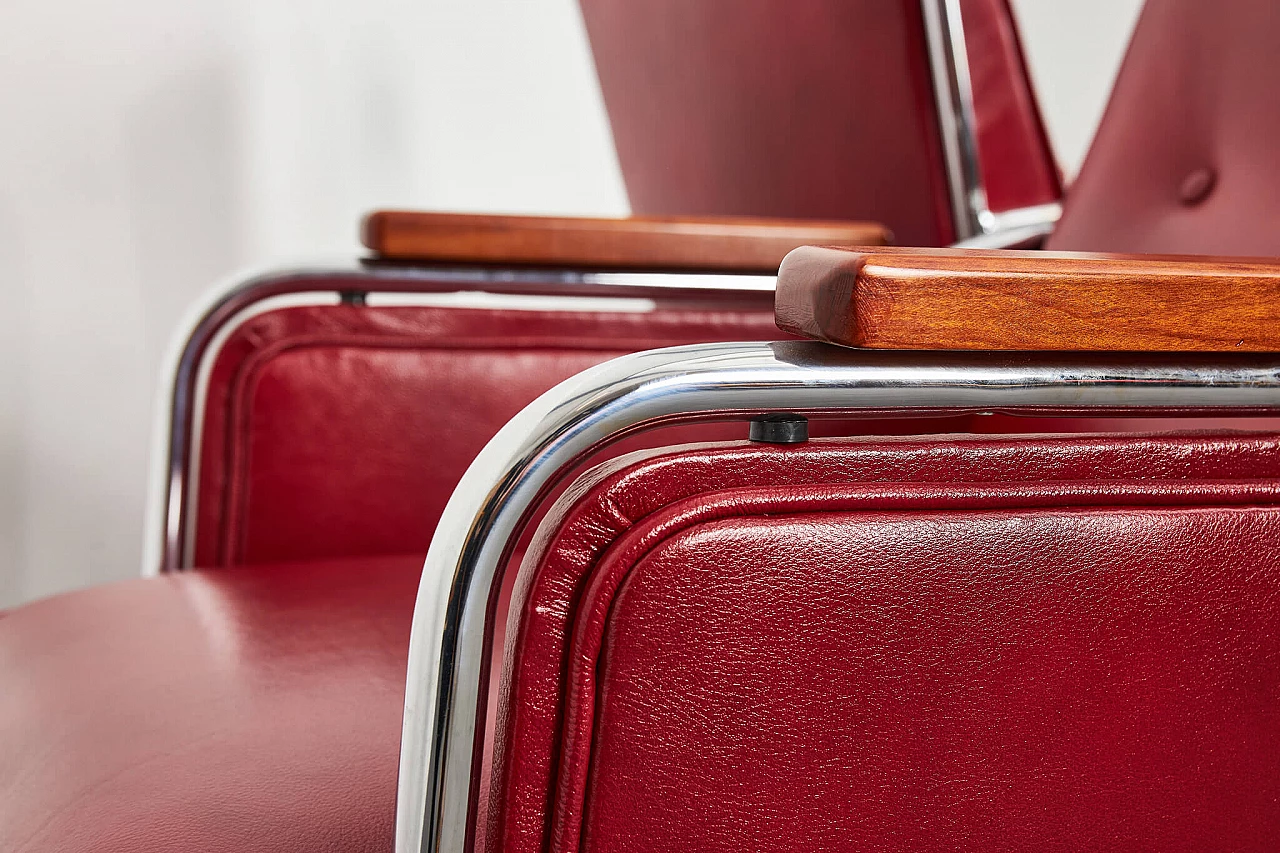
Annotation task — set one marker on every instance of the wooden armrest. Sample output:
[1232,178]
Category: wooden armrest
[951,299]
[726,244]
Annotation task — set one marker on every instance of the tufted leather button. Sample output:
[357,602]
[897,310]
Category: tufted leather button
[1197,185]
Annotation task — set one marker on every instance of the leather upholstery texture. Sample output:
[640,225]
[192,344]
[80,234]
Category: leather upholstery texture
[341,430]
[237,710]
[1184,159]
[1041,642]
[822,109]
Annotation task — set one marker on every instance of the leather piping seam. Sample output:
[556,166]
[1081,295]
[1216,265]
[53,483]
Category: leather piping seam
[636,475]
[578,722]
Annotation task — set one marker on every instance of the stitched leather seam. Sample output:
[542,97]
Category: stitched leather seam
[525,681]
[613,568]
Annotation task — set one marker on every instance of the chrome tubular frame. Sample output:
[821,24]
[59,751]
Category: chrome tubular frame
[949,64]
[169,513]
[977,226]
[1012,229]
[516,470]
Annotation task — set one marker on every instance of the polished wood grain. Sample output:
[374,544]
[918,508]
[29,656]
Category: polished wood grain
[946,299]
[725,244]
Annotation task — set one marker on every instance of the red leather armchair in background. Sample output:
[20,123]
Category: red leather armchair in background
[250,697]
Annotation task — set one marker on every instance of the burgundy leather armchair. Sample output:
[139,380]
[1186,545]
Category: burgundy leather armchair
[1012,641]
[1038,638]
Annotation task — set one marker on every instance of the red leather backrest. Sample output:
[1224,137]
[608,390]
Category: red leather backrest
[341,430]
[977,643]
[1184,159]
[821,109]
[1017,163]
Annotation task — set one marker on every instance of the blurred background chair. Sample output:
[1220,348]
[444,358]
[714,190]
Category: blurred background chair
[788,139]
[920,116]
[317,421]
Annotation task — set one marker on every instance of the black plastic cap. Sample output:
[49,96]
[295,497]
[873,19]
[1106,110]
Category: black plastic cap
[783,428]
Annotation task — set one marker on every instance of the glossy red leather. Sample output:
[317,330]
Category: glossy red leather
[341,430]
[1017,162]
[236,710]
[907,686]
[822,109]
[686,663]
[1184,159]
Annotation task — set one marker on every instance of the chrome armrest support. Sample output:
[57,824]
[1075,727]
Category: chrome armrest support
[1024,228]
[542,444]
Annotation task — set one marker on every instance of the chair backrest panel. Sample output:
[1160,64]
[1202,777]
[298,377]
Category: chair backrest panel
[1184,159]
[772,108]
[821,109]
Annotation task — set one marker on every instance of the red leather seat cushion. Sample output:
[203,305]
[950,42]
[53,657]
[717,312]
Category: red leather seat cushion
[901,644]
[239,710]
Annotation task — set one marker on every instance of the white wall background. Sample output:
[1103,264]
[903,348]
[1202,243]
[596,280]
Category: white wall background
[149,147]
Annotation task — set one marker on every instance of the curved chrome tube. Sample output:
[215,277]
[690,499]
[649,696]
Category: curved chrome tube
[169,501]
[957,124]
[707,382]
[1014,229]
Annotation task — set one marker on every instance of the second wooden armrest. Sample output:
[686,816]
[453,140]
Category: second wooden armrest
[948,299]
[724,244]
